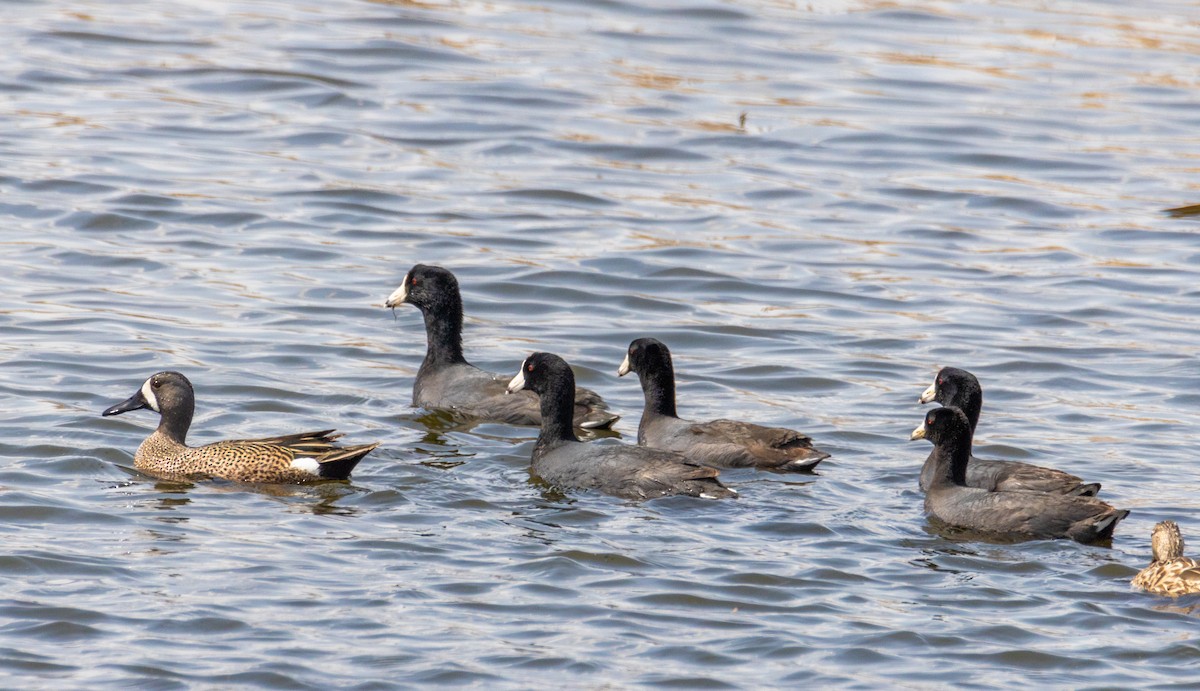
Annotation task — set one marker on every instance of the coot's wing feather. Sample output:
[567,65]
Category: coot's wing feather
[736,444]
[632,472]
[468,390]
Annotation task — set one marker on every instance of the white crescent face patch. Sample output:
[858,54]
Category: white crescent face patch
[399,295]
[518,382]
[148,394]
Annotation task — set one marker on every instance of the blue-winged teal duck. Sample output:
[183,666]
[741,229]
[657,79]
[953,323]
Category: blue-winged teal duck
[446,381]
[630,472]
[1170,573]
[291,458]
[958,388]
[1024,514]
[721,443]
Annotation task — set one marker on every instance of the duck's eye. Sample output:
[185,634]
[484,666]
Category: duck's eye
[155,383]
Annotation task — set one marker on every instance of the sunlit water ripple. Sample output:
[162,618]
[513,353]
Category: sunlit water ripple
[814,205]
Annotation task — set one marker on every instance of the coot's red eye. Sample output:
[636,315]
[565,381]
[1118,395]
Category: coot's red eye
[529,367]
[414,280]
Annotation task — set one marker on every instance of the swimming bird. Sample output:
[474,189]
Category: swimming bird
[291,458]
[1023,513]
[630,472]
[721,443]
[958,388]
[446,381]
[1169,573]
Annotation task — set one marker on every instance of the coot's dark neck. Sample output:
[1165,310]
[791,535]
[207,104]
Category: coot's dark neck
[175,422]
[659,388]
[971,405]
[558,408]
[950,461]
[969,399]
[443,333]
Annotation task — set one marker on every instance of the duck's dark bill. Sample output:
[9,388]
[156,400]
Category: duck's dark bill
[134,402]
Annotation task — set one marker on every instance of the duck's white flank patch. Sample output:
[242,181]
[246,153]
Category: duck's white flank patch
[148,394]
[307,463]
[624,368]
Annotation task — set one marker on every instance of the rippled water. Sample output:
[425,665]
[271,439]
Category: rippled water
[813,204]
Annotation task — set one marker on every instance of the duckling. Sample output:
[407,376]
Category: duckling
[629,472]
[958,388]
[291,458]
[1169,573]
[1034,515]
[446,381]
[720,443]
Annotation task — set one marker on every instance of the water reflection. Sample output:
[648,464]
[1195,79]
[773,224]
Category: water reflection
[815,202]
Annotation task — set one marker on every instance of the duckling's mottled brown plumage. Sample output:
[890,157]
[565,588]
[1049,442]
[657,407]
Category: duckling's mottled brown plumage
[1170,573]
[292,458]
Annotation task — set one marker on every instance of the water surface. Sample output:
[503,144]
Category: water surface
[815,205]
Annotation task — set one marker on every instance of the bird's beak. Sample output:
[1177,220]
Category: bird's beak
[930,393]
[518,382]
[624,368]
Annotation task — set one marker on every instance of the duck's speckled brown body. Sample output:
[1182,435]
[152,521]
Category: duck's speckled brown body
[1170,573]
[292,458]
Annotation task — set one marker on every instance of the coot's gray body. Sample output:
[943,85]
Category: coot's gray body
[958,388]
[630,472]
[720,443]
[446,381]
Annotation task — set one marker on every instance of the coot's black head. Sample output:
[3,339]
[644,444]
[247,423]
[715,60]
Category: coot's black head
[541,373]
[944,426]
[953,387]
[646,356]
[170,395]
[957,388]
[427,288]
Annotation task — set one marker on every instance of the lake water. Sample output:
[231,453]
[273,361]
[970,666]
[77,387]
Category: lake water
[814,204]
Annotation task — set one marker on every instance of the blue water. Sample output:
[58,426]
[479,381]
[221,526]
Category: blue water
[814,205]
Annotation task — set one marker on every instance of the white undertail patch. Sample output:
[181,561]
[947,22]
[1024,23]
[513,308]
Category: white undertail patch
[307,464]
